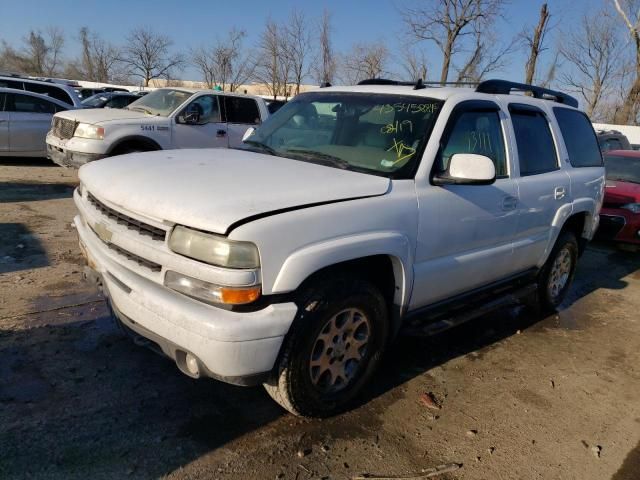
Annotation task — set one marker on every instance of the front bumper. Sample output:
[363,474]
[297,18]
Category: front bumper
[61,152]
[235,347]
[619,225]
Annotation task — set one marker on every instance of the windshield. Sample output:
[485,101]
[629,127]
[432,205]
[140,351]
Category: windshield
[160,102]
[96,101]
[626,169]
[372,133]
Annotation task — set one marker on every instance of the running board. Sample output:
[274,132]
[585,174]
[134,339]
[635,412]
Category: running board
[432,326]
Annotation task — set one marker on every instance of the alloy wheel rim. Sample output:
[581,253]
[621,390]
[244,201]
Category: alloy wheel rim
[560,272]
[339,350]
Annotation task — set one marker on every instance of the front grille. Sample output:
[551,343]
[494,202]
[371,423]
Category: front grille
[154,267]
[63,128]
[131,223]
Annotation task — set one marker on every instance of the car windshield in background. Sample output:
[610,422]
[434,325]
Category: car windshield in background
[372,133]
[96,101]
[626,169]
[160,102]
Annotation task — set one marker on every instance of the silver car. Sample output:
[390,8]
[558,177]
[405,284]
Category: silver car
[25,119]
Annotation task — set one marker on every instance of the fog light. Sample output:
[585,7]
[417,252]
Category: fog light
[192,364]
[210,292]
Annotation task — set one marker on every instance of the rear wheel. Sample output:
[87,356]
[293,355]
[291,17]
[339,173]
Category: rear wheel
[333,347]
[557,274]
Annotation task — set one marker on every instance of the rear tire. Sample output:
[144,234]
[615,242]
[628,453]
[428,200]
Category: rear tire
[333,347]
[557,274]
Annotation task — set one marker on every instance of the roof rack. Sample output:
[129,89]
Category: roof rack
[505,87]
[417,85]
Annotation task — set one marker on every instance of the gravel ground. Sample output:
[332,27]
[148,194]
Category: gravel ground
[512,395]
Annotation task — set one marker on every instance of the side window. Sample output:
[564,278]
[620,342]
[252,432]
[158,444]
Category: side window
[49,90]
[208,108]
[28,104]
[476,132]
[579,138]
[119,101]
[2,97]
[536,150]
[611,144]
[242,110]
[4,83]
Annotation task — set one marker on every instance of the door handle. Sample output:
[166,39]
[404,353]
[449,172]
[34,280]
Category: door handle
[509,202]
[221,133]
[559,193]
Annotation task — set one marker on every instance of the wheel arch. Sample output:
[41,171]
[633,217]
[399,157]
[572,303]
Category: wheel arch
[134,140]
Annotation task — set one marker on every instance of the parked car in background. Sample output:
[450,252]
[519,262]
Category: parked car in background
[351,213]
[56,91]
[275,105]
[166,118]
[620,215]
[110,100]
[25,119]
[631,132]
[85,93]
[612,140]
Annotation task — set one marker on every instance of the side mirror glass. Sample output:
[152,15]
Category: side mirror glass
[468,169]
[191,115]
[248,133]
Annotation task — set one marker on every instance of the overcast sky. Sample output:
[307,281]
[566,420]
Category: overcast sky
[194,23]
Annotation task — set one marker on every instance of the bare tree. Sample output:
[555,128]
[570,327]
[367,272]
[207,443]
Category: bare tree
[99,59]
[487,56]
[296,47]
[414,65]
[592,51]
[326,69]
[225,63]
[447,22]
[534,40]
[272,68]
[147,55]
[629,12]
[365,60]
[41,54]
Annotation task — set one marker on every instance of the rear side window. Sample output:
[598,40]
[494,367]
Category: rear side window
[242,110]
[536,150]
[50,91]
[579,138]
[613,143]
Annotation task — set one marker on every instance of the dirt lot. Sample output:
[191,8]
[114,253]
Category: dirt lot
[521,397]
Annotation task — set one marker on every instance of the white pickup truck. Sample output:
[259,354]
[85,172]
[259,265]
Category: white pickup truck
[352,213]
[164,119]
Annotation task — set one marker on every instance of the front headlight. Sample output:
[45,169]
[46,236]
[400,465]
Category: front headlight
[86,130]
[213,249]
[632,207]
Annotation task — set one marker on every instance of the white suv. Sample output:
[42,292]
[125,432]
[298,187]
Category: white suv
[166,118]
[351,213]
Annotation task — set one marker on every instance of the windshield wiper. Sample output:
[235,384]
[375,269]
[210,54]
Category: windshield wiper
[262,146]
[321,157]
[142,109]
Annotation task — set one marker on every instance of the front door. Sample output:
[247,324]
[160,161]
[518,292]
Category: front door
[29,122]
[466,231]
[208,132]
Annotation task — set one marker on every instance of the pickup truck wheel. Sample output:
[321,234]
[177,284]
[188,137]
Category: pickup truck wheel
[333,347]
[557,274]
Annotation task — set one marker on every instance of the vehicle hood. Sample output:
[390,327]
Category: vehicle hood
[212,189]
[618,193]
[101,115]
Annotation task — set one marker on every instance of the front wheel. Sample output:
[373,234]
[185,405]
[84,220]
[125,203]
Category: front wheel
[332,349]
[557,274]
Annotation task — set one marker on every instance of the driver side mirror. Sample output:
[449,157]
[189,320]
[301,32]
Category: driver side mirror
[248,133]
[467,169]
[191,115]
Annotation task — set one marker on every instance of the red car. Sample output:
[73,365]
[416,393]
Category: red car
[620,215]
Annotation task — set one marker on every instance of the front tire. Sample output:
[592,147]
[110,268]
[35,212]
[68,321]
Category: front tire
[333,347]
[557,274]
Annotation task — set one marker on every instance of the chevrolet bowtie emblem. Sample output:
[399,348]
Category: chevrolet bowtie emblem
[103,232]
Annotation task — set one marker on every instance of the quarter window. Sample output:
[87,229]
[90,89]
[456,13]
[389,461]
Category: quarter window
[477,132]
[242,110]
[579,138]
[536,149]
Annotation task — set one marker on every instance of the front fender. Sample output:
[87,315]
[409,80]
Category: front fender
[306,261]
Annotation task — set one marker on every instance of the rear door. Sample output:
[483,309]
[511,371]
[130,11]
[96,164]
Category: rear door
[209,132]
[29,122]
[4,125]
[544,187]
[240,114]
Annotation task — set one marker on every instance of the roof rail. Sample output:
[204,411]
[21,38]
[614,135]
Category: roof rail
[417,85]
[505,87]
